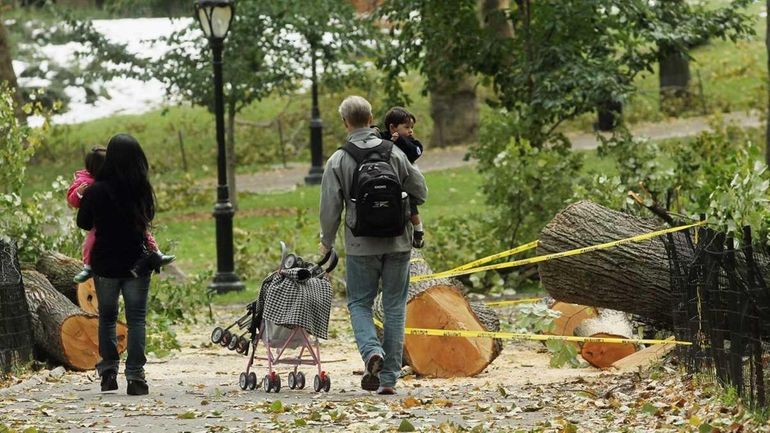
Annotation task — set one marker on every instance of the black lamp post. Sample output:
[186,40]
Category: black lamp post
[215,17]
[316,129]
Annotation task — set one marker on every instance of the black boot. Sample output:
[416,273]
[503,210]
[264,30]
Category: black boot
[137,387]
[109,381]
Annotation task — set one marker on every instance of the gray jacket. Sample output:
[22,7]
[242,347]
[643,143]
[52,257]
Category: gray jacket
[335,194]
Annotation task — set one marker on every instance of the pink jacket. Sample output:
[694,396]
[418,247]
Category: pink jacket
[81,177]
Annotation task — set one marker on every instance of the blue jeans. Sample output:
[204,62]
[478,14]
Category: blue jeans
[135,291]
[363,280]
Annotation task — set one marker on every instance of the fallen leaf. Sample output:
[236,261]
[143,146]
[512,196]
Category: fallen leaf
[405,426]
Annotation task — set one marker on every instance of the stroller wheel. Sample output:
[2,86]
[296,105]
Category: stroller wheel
[251,380]
[300,380]
[233,344]
[216,335]
[243,345]
[317,383]
[327,383]
[267,384]
[226,337]
[276,383]
[292,380]
[243,381]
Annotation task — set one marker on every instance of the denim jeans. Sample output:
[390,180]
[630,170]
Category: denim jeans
[364,274]
[135,291]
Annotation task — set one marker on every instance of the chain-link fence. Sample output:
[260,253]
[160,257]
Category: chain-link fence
[721,304]
[15,328]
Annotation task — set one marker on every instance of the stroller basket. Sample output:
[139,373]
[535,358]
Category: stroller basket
[292,311]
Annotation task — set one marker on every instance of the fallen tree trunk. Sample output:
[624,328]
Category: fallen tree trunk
[440,304]
[60,329]
[632,277]
[609,324]
[59,270]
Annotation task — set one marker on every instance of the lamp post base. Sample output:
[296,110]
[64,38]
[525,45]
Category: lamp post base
[315,175]
[226,282]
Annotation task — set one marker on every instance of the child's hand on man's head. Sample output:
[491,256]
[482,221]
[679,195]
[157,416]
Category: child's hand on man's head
[82,188]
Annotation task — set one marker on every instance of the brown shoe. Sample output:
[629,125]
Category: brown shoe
[386,390]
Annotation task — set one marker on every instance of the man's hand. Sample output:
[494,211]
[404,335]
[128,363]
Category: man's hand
[394,136]
[323,249]
[81,189]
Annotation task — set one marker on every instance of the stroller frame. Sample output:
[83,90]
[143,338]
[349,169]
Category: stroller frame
[309,354]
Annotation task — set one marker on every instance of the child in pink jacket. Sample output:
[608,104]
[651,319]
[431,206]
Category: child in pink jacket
[84,178]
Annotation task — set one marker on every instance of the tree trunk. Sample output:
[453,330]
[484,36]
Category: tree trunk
[674,78]
[61,330]
[15,325]
[454,111]
[439,304]
[7,73]
[632,277]
[59,270]
[609,324]
[230,153]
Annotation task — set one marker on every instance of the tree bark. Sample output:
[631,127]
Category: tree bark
[60,329]
[59,269]
[674,80]
[632,277]
[15,325]
[439,304]
[454,111]
[7,73]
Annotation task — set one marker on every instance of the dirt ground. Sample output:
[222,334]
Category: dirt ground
[196,390]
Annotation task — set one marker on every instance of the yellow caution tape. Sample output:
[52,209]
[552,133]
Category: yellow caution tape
[535,337]
[543,258]
[512,251]
[513,302]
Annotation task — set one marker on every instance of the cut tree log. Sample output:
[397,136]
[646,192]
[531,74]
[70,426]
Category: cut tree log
[59,270]
[15,326]
[645,357]
[60,329]
[572,315]
[440,304]
[609,324]
[632,277]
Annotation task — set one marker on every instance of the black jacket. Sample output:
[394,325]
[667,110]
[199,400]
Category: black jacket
[119,243]
[410,146]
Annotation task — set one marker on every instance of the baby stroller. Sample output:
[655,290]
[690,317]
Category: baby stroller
[294,303]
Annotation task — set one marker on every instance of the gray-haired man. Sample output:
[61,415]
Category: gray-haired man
[370,260]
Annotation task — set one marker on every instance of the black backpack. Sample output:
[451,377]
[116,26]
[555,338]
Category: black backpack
[381,209]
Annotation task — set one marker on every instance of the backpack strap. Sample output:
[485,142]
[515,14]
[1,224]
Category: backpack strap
[383,151]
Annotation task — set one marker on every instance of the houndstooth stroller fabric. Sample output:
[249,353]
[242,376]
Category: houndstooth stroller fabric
[288,298]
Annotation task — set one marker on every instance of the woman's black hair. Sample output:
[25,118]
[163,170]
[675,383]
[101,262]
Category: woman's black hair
[397,116]
[125,171]
[95,160]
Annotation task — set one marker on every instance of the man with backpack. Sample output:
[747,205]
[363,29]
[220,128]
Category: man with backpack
[373,181]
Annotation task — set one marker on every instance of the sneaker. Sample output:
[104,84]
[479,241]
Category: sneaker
[82,276]
[371,379]
[166,260]
[386,390]
[417,240]
[109,381]
[137,387]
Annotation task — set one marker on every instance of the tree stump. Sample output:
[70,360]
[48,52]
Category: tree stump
[61,330]
[632,277]
[15,325]
[440,304]
[572,315]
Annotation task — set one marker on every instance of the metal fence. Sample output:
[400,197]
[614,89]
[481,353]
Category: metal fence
[721,303]
[15,328]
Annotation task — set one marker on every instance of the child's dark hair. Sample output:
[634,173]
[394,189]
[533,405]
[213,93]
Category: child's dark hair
[397,116]
[95,159]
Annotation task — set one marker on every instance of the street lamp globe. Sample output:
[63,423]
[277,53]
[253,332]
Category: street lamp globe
[214,17]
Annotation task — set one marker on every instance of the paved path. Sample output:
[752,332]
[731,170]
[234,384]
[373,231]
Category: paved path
[286,179]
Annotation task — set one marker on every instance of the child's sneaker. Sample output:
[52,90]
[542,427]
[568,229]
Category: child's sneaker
[82,276]
[166,260]
[417,240]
